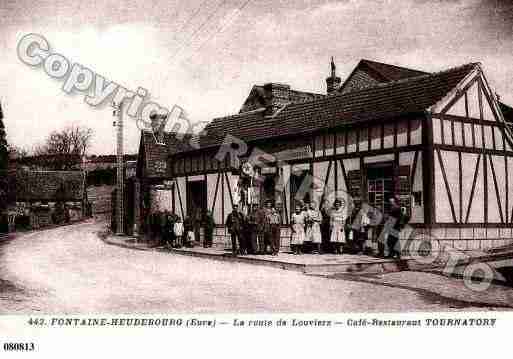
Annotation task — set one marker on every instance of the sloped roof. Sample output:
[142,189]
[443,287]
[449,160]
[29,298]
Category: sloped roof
[257,97]
[150,151]
[370,73]
[405,96]
[392,72]
[49,185]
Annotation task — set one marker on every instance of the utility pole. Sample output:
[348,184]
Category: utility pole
[118,112]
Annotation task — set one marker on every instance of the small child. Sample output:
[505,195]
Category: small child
[178,229]
[188,236]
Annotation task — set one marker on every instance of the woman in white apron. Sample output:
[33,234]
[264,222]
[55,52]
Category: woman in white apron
[338,216]
[313,229]
[178,229]
[298,230]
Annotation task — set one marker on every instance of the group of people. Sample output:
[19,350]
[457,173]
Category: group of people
[258,232]
[168,229]
[306,223]
[319,230]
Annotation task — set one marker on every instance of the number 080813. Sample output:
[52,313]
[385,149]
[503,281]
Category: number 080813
[19,347]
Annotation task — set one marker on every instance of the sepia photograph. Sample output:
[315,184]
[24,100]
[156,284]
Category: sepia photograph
[252,163]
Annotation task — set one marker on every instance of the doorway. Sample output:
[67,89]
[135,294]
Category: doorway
[197,204]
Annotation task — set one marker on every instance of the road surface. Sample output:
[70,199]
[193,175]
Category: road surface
[70,270]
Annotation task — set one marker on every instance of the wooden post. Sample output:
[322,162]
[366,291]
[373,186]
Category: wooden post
[118,112]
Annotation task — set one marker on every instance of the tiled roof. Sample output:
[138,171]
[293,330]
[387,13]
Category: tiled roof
[369,73]
[406,96]
[258,98]
[110,158]
[392,72]
[153,151]
[49,185]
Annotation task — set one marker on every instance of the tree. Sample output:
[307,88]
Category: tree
[64,149]
[3,143]
[4,178]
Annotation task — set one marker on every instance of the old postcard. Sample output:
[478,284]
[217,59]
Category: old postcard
[175,172]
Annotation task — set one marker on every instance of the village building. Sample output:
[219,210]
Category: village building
[44,198]
[100,172]
[439,141]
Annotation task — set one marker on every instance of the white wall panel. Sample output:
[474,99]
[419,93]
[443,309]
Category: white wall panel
[388,140]
[473,101]
[487,111]
[458,109]
[437,130]
[319,173]
[497,133]
[376,137]
[351,141]
[181,186]
[451,165]
[478,136]
[416,132]
[500,172]
[493,206]
[218,205]
[488,137]
[329,144]
[211,188]
[447,132]
[402,133]
[467,128]
[458,133]
[468,169]
[442,205]
[341,142]
[476,214]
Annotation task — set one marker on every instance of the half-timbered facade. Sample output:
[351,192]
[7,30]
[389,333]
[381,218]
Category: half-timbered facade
[438,141]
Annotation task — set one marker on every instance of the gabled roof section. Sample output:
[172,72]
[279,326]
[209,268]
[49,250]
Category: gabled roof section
[150,151]
[370,73]
[391,99]
[274,94]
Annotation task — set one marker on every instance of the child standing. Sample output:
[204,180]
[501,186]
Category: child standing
[298,230]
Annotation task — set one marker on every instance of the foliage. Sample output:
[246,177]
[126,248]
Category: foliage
[64,149]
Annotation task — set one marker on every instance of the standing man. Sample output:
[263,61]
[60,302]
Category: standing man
[252,231]
[274,220]
[394,247]
[235,223]
[262,229]
[208,228]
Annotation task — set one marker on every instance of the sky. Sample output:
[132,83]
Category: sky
[205,55]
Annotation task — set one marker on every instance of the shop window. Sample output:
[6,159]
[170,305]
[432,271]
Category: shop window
[380,187]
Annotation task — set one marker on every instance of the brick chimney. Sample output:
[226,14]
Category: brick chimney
[276,95]
[333,82]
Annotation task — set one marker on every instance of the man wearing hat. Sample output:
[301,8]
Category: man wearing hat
[235,225]
[396,213]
